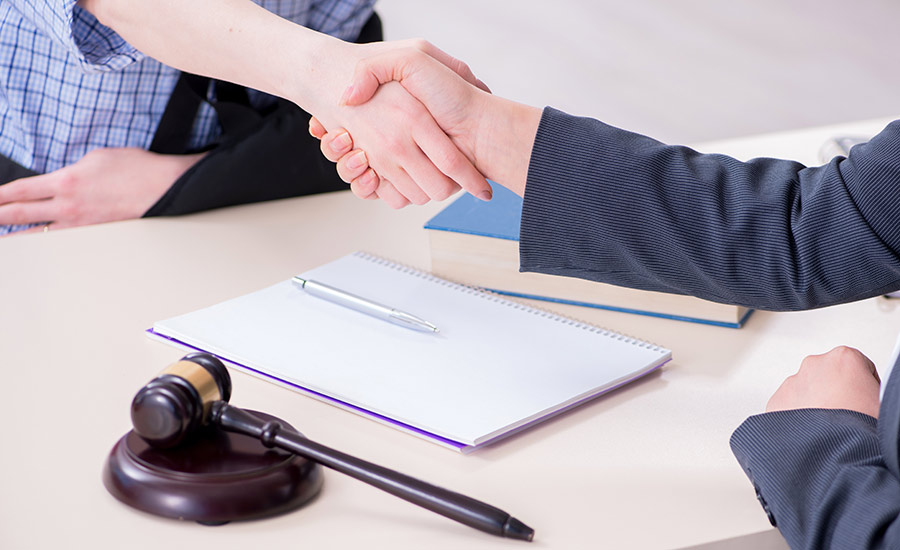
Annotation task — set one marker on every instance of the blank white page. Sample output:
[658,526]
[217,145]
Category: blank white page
[495,365]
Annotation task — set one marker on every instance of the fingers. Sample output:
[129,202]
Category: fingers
[389,194]
[429,182]
[366,185]
[316,129]
[27,200]
[26,189]
[419,180]
[458,66]
[841,357]
[403,183]
[421,166]
[370,187]
[353,166]
[874,371]
[434,165]
[843,378]
[21,213]
[854,356]
[336,144]
[455,168]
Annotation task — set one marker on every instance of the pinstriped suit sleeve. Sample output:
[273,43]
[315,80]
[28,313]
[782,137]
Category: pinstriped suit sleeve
[821,475]
[617,207]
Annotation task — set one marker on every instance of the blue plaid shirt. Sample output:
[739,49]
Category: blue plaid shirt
[68,84]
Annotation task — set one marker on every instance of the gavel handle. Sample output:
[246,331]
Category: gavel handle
[455,506]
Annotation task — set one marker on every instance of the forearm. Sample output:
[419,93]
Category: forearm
[821,475]
[613,206]
[233,40]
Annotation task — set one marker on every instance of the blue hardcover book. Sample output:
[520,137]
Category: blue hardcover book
[499,217]
[477,243]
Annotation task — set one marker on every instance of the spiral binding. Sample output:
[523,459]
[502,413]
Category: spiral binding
[494,297]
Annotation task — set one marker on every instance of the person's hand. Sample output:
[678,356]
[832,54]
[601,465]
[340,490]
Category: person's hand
[843,378]
[448,108]
[412,155]
[495,134]
[107,184]
[431,76]
[352,164]
[414,158]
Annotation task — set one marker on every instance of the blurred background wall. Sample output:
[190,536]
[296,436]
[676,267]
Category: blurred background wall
[682,71]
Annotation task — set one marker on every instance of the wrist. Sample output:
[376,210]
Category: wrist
[503,140]
[315,74]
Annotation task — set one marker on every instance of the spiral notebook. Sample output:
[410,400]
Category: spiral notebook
[494,368]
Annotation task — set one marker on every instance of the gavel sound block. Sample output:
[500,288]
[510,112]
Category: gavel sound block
[193,456]
[213,476]
[214,479]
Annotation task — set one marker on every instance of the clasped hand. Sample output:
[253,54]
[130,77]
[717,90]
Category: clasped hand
[449,94]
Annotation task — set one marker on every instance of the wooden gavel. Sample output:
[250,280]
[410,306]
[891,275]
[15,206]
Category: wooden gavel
[195,391]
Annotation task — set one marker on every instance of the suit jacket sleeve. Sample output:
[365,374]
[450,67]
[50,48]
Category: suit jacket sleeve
[821,477]
[617,207]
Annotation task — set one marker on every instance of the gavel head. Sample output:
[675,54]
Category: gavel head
[178,400]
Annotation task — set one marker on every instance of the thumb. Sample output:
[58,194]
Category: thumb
[372,72]
[361,89]
[399,65]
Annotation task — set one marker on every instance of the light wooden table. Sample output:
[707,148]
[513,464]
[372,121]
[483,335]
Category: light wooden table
[645,467]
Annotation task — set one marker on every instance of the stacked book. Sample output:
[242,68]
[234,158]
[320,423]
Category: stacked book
[477,243]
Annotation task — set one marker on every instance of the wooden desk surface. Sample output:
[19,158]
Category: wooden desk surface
[645,467]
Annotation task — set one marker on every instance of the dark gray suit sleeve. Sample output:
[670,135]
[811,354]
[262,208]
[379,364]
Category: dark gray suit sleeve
[820,475]
[617,207]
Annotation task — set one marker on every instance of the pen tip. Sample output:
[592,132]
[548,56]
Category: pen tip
[515,529]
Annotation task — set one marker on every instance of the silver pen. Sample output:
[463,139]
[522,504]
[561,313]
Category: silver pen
[363,305]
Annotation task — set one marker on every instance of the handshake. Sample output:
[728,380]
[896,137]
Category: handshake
[431,128]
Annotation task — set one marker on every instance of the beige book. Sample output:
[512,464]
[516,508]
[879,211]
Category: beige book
[476,243]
